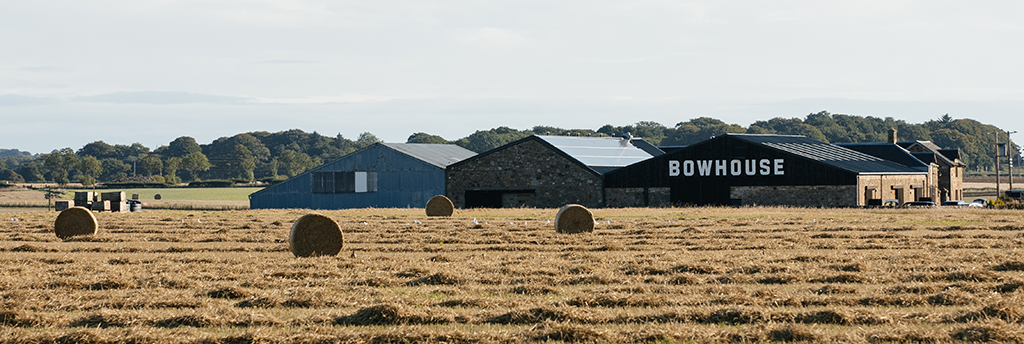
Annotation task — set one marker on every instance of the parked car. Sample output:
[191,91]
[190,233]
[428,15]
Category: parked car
[981,201]
[919,204]
[891,203]
[955,203]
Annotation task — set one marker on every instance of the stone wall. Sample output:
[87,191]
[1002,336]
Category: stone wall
[798,196]
[530,166]
[900,187]
[634,197]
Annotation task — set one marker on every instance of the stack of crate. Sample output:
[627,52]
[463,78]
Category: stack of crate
[116,201]
[84,199]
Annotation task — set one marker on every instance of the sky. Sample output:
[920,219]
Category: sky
[149,71]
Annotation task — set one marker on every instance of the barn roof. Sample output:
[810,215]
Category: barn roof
[602,153]
[887,151]
[826,153]
[440,155]
[598,154]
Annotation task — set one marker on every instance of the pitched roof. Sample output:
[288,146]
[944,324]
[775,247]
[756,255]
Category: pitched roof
[826,153]
[934,148]
[602,154]
[440,155]
[887,151]
[598,154]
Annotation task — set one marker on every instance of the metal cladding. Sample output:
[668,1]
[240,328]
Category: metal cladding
[733,169]
[383,175]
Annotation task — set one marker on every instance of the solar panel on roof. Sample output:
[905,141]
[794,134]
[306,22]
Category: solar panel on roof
[598,151]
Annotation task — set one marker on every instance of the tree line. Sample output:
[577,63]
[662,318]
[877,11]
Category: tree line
[274,156]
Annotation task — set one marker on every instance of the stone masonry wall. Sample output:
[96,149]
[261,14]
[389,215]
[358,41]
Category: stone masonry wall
[897,186]
[528,165]
[798,196]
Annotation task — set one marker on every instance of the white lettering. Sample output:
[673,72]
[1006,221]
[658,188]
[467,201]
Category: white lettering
[720,167]
[735,167]
[705,167]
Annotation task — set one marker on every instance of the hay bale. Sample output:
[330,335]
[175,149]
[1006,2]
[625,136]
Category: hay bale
[315,235]
[75,221]
[574,218]
[157,196]
[440,206]
[61,205]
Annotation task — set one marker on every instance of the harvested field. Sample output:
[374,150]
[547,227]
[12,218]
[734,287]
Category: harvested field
[643,275]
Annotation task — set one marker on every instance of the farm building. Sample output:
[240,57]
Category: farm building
[745,169]
[946,178]
[543,171]
[383,175]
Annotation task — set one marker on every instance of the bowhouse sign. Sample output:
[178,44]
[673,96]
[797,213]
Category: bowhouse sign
[723,168]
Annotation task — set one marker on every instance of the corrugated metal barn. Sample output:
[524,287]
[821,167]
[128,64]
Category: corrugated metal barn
[543,171]
[743,169]
[383,175]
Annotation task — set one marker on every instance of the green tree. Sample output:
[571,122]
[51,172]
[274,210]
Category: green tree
[151,165]
[482,140]
[425,138]
[293,163]
[114,169]
[171,167]
[181,147]
[32,171]
[365,140]
[194,163]
[91,169]
[9,175]
[98,149]
[241,162]
[59,164]
[697,130]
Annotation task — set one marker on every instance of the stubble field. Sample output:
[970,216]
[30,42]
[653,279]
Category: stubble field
[644,275]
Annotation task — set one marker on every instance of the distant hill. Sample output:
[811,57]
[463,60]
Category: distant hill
[4,153]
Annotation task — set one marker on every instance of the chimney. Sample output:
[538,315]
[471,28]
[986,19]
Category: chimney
[892,135]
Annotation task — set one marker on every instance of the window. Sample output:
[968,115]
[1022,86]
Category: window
[344,182]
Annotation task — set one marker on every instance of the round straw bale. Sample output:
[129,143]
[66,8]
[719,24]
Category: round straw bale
[440,206]
[75,221]
[315,235]
[574,218]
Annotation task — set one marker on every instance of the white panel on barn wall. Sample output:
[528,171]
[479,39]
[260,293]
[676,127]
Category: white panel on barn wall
[360,181]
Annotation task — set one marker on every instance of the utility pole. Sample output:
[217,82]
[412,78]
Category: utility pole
[996,158]
[1009,156]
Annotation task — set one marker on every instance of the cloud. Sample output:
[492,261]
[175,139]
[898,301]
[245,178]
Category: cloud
[285,62]
[154,97]
[17,100]
[493,36]
[43,69]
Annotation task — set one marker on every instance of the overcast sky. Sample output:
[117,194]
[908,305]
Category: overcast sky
[148,71]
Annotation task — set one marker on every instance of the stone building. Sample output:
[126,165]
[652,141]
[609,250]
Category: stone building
[950,182]
[543,172]
[744,169]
